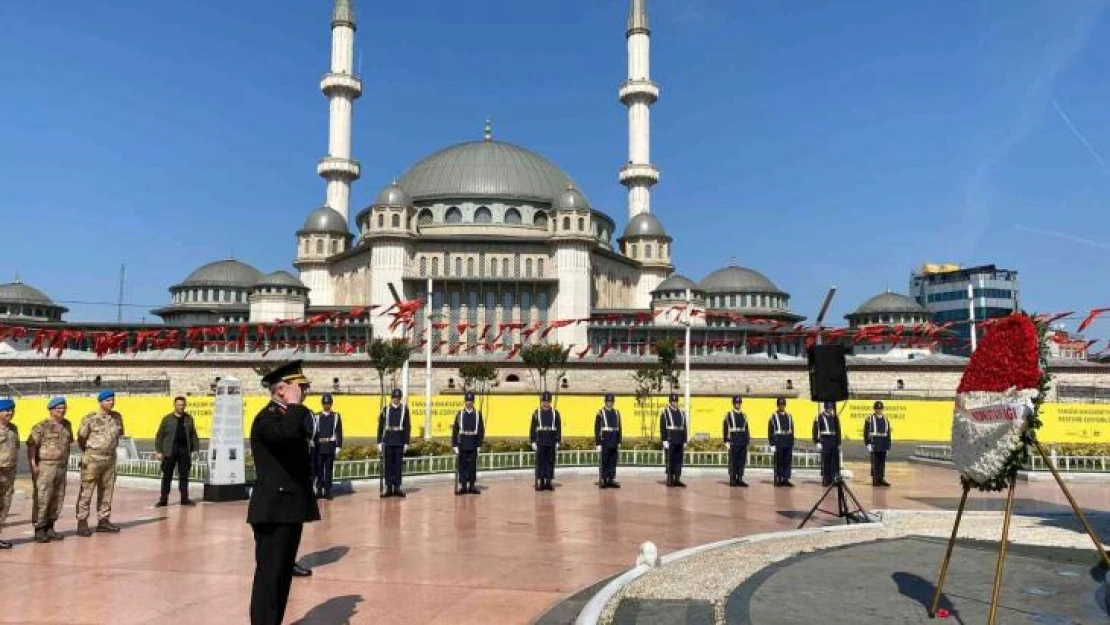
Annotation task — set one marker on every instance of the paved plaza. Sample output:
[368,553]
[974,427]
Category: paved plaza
[506,556]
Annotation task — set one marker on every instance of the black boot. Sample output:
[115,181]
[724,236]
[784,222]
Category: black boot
[40,535]
[83,529]
[52,535]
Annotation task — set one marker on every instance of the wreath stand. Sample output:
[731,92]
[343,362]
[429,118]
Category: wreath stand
[1005,534]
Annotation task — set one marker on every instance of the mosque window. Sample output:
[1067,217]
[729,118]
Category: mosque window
[581,224]
[512,216]
[470,267]
[482,215]
[635,250]
[435,267]
[396,221]
[505,267]
[539,268]
[423,266]
[454,215]
[491,303]
[458,266]
[493,267]
[381,220]
[425,217]
[334,246]
[319,246]
[566,223]
[526,302]
[732,301]
[540,219]
[604,235]
[528,268]
[647,250]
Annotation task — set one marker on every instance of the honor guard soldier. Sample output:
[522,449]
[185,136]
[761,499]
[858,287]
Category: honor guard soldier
[826,434]
[780,434]
[672,427]
[546,434]
[9,450]
[281,501]
[327,437]
[607,437]
[876,435]
[394,431]
[98,437]
[467,434]
[48,455]
[737,437]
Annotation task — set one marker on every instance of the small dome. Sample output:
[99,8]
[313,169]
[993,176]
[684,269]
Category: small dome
[738,280]
[571,199]
[228,272]
[889,302]
[280,279]
[393,195]
[644,225]
[325,219]
[677,282]
[17,292]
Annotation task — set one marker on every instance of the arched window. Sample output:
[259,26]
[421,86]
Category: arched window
[566,223]
[528,268]
[647,250]
[335,246]
[470,267]
[381,220]
[493,267]
[454,215]
[581,224]
[395,221]
[482,215]
[512,216]
[539,268]
[319,246]
[635,250]
[425,217]
[505,267]
[512,377]
[540,219]
[423,266]
[435,267]
[458,266]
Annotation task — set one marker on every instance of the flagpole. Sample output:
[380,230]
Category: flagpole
[428,364]
[971,315]
[688,300]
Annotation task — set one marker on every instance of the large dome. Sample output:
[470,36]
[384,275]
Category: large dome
[738,280]
[17,292]
[485,169]
[890,302]
[228,272]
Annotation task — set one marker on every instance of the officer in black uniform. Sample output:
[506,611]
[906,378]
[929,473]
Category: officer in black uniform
[607,437]
[328,438]
[672,427]
[876,435]
[737,437]
[281,500]
[826,435]
[780,434]
[394,432]
[467,434]
[546,434]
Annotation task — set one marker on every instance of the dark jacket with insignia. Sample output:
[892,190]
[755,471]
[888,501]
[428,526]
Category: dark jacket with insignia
[876,432]
[672,426]
[468,431]
[735,429]
[394,426]
[547,427]
[607,428]
[783,436]
[826,429]
[283,484]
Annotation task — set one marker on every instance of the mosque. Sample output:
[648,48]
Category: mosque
[504,239]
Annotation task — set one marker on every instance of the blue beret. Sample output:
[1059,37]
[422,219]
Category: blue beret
[610,397]
[326,398]
[736,399]
[546,396]
[55,402]
[7,404]
[396,393]
[105,394]
[469,396]
[673,397]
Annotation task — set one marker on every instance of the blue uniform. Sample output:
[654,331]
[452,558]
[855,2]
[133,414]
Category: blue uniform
[672,427]
[826,430]
[780,434]
[546,433]
[394,431]
[328,439]
[876,432]
[607,435]
[735,432]
[467,433]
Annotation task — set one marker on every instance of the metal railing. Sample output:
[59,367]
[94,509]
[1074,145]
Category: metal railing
[1063,463]
[370,468]
[147,384]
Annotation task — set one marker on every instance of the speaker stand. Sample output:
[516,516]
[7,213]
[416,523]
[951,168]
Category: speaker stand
[843,493]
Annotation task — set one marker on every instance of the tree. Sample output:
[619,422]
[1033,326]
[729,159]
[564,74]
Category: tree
[649,381]
[478,377]
[387,357]
[666,353]
[542,358]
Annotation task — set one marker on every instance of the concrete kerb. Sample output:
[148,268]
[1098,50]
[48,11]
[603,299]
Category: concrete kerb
[591,613]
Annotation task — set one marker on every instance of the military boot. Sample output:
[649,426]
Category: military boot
[106,526]
[83,528]
[51,534]
[40,535]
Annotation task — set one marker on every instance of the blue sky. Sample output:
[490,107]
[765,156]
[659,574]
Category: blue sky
[819,143]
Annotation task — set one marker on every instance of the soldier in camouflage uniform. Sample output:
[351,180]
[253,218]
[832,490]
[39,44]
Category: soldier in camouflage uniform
[48,454]
[97,437]
[9,447]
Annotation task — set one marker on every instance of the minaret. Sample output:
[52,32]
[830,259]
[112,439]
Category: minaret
[638,93]
[342,87]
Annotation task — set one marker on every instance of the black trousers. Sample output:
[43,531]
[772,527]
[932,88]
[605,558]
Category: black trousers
[674,460]
[322,465]
[737,461]
[878,465]
[609,457]
[784,460]
[545,462]
[830,462]
[468,466]
[275,553]
[393,455]
[182,462]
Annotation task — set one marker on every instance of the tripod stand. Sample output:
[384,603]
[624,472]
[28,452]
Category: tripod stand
[859,515]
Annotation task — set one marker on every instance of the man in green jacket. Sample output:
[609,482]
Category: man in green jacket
[174,446]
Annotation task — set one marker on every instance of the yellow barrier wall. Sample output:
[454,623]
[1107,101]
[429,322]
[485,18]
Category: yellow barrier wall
[510,415]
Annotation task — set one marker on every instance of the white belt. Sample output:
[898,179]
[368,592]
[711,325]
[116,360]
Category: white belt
[610,429]
[469,433]
[544,428]
[677,427]
[393,429]
[826,433]
[884,435]
[325,439]
[737,430]
[784,431]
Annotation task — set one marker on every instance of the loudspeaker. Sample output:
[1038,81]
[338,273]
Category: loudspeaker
[828,373]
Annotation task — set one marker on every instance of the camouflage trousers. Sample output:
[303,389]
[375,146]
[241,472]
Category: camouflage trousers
[99,474]
[49,492]
[7,489]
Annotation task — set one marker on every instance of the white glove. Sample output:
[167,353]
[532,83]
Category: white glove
[381,448]
[818,446]
[478,450]
[456,450]
[599,449]
[728,445]
[556,446]
[666,445]
[533,447]
[405,450]
[772,449]
[870,448]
